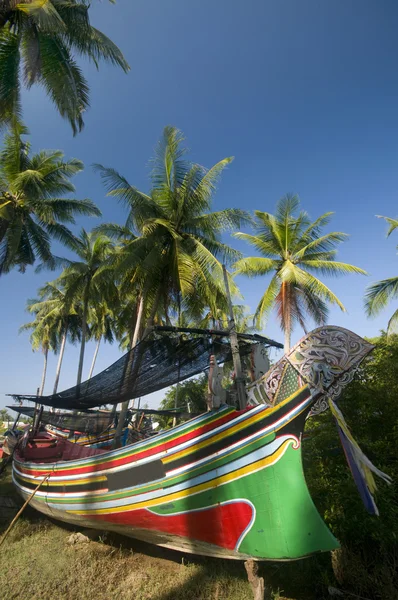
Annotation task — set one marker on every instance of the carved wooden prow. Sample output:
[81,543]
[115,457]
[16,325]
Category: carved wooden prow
[216,394]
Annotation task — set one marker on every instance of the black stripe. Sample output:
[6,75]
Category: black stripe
[47,487]
[150,471]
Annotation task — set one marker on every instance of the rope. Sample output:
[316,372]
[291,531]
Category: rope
[19,513]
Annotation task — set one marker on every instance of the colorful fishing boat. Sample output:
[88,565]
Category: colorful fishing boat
[228,483]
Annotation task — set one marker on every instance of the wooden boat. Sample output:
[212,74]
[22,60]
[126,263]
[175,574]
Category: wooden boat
[229,483]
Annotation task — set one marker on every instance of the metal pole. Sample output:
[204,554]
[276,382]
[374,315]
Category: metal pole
[240,382]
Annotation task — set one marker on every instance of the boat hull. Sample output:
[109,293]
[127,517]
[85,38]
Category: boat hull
[227,484]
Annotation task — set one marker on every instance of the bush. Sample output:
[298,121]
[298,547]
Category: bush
[366,563]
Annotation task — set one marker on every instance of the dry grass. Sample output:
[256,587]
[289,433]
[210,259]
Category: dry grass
[37,563]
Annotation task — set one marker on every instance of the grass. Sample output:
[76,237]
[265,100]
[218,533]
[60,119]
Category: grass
[37,563]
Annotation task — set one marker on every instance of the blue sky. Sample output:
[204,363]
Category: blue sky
[303,94]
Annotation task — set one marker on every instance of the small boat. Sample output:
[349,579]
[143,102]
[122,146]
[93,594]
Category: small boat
[228,483]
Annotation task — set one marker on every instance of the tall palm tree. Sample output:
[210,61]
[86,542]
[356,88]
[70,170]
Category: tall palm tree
[379,294]
[176,248]
[174,256]
[130,303]
[32,209]
[88,280]
[291,248]
[101,324]
[63,317]
[43,337]
[39,40]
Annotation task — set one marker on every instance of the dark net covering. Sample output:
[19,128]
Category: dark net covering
[90,422]
[154,364]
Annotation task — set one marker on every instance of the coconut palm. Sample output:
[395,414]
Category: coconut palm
[63,317]
[39,42]
[379,294]
[43,337]
[130,303]
[174,256]
[88,280]
[32,209]
[176,248]
[291,248]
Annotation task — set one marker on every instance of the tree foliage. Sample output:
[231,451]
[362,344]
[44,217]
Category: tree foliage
[293,249]
[191,395]
[379,294]
[369,405]
[33,209]
[172,248]
[39,42]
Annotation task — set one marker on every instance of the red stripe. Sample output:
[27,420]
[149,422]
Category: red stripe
[220,525]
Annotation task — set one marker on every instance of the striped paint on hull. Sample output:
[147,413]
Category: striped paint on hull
[229,483]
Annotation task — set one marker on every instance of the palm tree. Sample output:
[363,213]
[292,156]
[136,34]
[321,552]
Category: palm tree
[379,294]
[38,43]
[43,337]
[65,319]
[88,280]
[32,209]
[101,324]
[292,248]
[130,303]
[175,248]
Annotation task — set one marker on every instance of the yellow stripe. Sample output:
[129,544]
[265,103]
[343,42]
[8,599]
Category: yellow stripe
[247,470]
[223,434]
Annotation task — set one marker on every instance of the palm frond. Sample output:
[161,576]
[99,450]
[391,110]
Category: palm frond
[267,249]
[266,303]
[254,266]
[393,323]
[393,223]
[268,229]
[316,287]
[98,46]
[379,294]
[63,80]
[323,243]
[222,220]
[169,168]
[331,267]
[10,99]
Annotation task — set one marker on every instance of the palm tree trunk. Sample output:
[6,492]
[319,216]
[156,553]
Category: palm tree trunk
[94,358]
[61,356]
[286,347]
[287,317]
[83,344]
[125,405]
[138,322]
[43,377]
